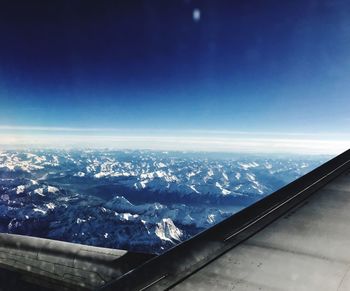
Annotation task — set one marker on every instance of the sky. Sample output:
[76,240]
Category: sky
[206,75]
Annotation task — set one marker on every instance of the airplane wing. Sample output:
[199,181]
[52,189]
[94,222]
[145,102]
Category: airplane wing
[32,263]
[297,238]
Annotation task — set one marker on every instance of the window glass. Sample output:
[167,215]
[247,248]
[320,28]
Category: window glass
[138,124]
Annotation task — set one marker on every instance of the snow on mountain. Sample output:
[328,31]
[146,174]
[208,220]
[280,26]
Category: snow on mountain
[39,191]
[166,230]
[85,196]
[20,189]
[52,189]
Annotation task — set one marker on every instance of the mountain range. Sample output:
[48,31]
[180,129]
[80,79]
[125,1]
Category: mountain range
[144,201]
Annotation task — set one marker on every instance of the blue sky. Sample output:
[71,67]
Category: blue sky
[243,69]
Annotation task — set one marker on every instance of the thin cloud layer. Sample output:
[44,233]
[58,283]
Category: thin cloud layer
[178,143]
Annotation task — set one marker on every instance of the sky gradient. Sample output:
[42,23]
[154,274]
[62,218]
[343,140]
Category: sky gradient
[202,69]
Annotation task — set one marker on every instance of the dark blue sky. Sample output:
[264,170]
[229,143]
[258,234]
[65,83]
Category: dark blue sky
[272,66]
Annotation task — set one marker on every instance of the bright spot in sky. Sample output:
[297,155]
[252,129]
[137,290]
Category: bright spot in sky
[196,15]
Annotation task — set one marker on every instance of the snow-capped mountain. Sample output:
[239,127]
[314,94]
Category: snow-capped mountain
[137,200]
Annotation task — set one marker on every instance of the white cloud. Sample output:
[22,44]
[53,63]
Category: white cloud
[12,128]
[180,142]
[161,139]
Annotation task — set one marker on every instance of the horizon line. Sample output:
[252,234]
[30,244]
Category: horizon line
[179,143]
[5,127]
